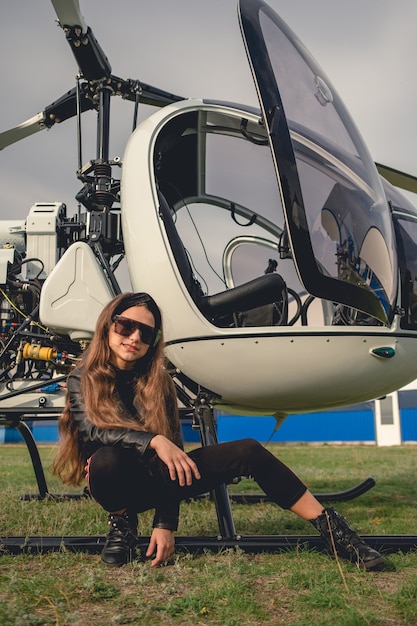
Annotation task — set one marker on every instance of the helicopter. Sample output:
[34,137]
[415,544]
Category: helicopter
[280,254]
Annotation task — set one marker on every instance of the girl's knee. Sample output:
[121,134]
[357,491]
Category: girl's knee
[250,447]
[107,461]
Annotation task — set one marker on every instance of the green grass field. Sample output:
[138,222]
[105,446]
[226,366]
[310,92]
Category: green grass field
[299,587]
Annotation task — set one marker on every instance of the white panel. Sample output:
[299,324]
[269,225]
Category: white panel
[74,293]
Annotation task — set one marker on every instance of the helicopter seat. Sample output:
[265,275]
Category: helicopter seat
[261,301]
[253,303]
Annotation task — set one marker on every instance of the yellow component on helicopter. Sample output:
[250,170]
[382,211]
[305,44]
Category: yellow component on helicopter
[38,352]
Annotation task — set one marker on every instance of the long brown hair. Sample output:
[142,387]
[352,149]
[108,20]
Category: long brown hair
[154,391]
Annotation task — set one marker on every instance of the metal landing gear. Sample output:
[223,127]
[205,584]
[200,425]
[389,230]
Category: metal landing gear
[203,420]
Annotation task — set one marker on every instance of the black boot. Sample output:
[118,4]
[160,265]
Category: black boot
[340,537]
[121,540]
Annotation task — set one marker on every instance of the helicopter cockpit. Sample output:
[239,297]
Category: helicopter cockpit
[234,187]
[255,225]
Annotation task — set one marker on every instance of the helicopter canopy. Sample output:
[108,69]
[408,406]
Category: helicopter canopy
[337,215]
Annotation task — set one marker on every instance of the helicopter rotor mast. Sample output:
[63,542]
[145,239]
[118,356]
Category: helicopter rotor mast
[97,84]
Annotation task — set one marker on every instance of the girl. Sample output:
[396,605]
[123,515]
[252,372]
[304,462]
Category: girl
[120,429]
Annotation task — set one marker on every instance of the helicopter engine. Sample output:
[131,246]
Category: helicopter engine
[29,252]
[44,267]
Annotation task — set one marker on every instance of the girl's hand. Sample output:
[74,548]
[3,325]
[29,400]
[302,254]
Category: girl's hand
[162,544]
[179,464]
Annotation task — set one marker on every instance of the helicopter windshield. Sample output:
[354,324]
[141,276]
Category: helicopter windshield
[337,215]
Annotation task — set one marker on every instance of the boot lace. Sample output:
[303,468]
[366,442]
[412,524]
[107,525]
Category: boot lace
[120,531]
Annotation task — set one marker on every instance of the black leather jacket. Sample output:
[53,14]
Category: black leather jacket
[91,437]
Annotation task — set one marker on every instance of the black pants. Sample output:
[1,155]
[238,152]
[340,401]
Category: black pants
[120,479]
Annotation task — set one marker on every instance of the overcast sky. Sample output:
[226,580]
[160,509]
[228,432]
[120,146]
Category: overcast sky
[368,48]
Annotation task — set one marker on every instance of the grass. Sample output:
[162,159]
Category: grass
[301,587]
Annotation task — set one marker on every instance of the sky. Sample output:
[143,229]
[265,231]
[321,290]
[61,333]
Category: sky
[368,48]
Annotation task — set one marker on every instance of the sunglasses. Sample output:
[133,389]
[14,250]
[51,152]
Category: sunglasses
[126,327]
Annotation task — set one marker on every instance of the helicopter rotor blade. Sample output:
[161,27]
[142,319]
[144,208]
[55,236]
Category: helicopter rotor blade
[30,127]
[91,60]
[398,178]
[56,112]
[69,13]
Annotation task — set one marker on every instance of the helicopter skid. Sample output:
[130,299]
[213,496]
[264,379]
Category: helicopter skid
[252,544]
